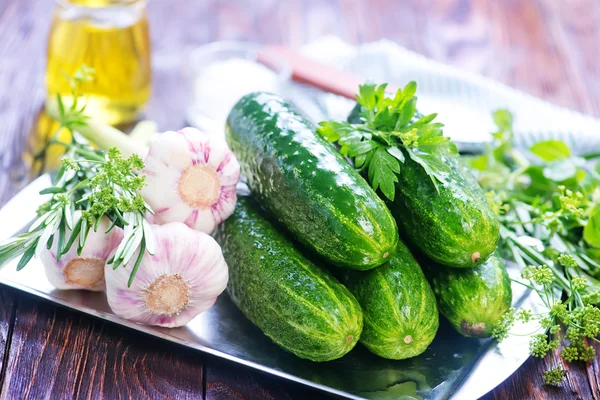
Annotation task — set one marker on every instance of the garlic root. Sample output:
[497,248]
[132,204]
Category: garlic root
[85,271]
[191,178]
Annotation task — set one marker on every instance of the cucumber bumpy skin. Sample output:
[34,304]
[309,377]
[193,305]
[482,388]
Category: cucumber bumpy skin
[399,307]
[307,185]
[297,304]
[473,299]
[454,225]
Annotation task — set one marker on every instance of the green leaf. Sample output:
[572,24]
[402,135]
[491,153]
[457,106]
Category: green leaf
[436,168]
[410,89]
[53,190]
[480,163]
[540,184]
[551,150]
[406,114]
[424,120]
[49,242]
[376,144]
[361,148]
[503,119]
[363,160]
[368,94]
[83,233]
[61,106]
[561,170]
[397,153]
[61,238]
[138,261]
[27,256]
[329,130]
[591,232]
[59,173]
[383,168]
[72,237]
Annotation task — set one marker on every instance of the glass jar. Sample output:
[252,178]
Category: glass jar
[110,36]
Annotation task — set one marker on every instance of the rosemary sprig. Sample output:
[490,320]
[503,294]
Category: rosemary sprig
[89,185]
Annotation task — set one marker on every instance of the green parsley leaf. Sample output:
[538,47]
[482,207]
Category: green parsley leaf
[551,150]
[383,168]
[591,231]
[391,128]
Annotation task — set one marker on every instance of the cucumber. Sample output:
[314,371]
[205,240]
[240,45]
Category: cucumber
[300,306]
[454,225]
[399,308]
[307,185]
[474,299]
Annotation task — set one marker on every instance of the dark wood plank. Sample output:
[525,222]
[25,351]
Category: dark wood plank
[7,318]
[226,381]
[56,353]
[582,381]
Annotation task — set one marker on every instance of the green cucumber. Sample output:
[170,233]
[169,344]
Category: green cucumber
[399,308]
[453,224]
[297,304]
[307,185]
[474,299]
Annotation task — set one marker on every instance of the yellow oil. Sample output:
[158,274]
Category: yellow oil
[119,54]
[40,156]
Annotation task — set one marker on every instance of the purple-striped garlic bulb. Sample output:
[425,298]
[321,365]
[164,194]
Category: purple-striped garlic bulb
[183,278]
[191,178]
[84,271]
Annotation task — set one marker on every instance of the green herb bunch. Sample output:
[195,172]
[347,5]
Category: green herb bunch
[89,185]
[391,130]
[546,199]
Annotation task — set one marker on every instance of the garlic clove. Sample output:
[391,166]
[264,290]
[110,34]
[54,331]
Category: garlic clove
[202,220]
[182,279]
[226,205]
[162,182]
[85,271]
[198,190]
[173,150]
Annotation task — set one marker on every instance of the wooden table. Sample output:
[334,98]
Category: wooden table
[544,47]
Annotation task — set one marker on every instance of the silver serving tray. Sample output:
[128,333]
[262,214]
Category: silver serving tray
[453,367]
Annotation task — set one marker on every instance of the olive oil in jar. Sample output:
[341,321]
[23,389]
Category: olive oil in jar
[112,38]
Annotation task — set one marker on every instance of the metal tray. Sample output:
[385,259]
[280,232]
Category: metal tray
[453,366]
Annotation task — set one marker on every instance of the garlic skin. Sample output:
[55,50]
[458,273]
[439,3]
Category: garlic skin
[183,278]
[191,178]
[85,271]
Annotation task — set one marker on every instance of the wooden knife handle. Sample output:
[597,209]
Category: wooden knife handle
[305,70]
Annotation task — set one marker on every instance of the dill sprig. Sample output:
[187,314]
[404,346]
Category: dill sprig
[89,185]
[546,199]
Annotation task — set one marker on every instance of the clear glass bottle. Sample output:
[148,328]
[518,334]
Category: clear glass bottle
[110,36]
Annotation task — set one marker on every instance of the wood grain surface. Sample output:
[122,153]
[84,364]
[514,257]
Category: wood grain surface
[544,47]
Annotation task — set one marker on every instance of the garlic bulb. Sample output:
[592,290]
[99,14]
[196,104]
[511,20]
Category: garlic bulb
[85,271]
[191,178]
[182,279]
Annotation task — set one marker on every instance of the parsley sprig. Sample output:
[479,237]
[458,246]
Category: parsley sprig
[546,199]
[89,185]
[390,130]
